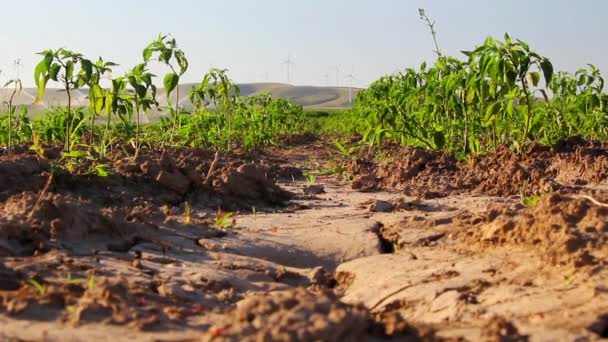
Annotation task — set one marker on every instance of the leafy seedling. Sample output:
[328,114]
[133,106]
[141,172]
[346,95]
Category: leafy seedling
[311,178]
[42,289]
[187,214]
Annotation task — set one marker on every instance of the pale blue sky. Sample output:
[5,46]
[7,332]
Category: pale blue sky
[251,38]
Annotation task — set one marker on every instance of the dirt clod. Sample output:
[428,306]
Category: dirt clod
[295,315]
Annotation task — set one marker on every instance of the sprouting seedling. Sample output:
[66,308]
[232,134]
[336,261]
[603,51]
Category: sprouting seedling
[343,150]
[42,289]
[187,213]
[528,201]
[91,283]
[223,220]
[73,280]
[311,178]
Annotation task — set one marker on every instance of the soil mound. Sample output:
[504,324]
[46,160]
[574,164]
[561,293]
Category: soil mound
[169,177]
[299,315]
[564,229]
[295,315]
[537,169]
[499,329]
[28,224]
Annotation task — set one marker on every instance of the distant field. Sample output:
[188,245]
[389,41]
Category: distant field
[311,97]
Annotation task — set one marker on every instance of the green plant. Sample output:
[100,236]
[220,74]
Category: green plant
[143,98]
[10,108]
[528,201]
[498,95]
[98,96]
[42,289]
[71,70]
[311,178]
[166,51]
[187,214]
[222,220]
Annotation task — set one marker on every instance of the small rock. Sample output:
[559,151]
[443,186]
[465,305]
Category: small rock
[379,206]
[314,190]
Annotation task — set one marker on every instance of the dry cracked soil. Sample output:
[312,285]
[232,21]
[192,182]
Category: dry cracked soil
[406,245]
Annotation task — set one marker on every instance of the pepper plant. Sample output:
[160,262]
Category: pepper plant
[165,49]
[143,97]
[97,94]
[68,68]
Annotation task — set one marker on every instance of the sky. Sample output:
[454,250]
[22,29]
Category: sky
[366,38]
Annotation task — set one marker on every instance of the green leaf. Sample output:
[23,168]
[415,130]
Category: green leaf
[96,98]
[181,61]
[69,70]
[170,82]
[534,78]
[39,72]
[341,147]
[165,56]
[87,67]
[140,90]
[530,201]
[54,72]
[73,154]
[439,140]
[147,53]
[547,68]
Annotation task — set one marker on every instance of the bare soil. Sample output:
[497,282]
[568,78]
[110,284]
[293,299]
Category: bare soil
[407,245]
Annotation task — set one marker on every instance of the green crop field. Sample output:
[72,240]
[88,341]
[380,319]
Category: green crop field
[500,92]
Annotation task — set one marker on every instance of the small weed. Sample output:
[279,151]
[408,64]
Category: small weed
[528,201]
[311,178]
[187,214]
[222,220]
[73,280]
[42,289]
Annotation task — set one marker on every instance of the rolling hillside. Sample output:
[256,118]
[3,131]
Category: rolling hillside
[311,97]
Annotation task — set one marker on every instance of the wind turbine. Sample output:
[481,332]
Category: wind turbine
[289,63]
[337,76]
[350,78]
[17,67]
[326,79]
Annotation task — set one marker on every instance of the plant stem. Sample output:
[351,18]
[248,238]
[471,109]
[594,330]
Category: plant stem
[138,128]
[11,111]
[68,123]
[528,105]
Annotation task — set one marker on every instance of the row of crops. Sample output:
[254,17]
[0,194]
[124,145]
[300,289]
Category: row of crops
[215,114]
[503,92]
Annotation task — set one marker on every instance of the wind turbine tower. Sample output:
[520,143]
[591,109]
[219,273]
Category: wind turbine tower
[350,78]
[337,76]
[17,67]
[289,63]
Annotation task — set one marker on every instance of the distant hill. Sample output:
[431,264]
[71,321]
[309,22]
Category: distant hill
[311,97]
